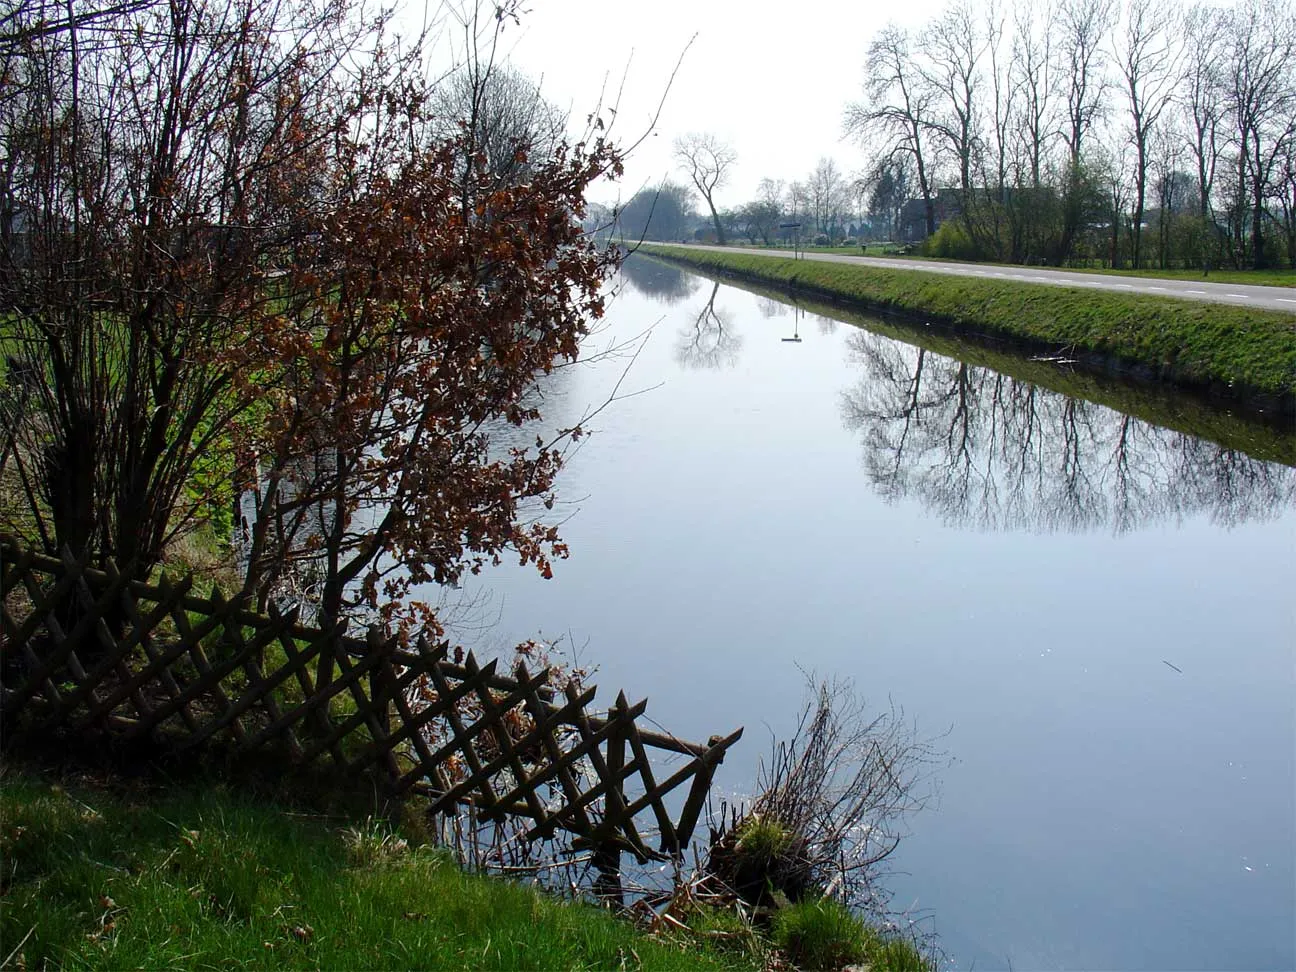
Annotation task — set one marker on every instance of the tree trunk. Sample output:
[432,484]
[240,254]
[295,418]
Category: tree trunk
[715,218]
[1258,256]
[1140,195]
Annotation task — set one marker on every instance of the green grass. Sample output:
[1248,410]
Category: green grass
[822,934]
[872,249]
[1248,351]
[198,877]
[1259,278]
[763,838]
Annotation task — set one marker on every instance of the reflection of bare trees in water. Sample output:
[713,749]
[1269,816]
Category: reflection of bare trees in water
[769,308]
[826,325]
[660,281]
[709,341]
[986,450]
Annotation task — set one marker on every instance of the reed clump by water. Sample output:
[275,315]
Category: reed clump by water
[805,857]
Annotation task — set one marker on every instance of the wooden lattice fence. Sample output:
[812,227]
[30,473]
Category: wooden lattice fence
[84,650]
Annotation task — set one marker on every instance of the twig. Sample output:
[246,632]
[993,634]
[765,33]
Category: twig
[18,947]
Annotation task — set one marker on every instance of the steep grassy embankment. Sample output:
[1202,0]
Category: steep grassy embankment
[202,878]
[1239,354]
[106,873]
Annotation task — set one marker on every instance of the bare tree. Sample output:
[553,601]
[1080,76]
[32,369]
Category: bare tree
[1033,61]
[798,202]
[24,22]
[1147,58]
[888,184]
[707,161]
[896,113]
[1004,92]
[1202,95]
[1083,25]
[512,125]
[770,192]
[954,45]
[827,192]
[1285,190]
[1262,102]
[761,215]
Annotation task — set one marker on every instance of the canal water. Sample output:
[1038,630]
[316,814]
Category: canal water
[1092,616]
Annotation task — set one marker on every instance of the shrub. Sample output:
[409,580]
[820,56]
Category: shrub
[952,242]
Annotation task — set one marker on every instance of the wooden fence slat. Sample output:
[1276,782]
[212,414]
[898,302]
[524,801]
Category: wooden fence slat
[114,661]
[44,612]
[606,829]
[43,602]
[664,825]
[414,721]
[548,739]
[701,787]
[381,695]
[615,808]
[140,633]
[231,631]
[351,722]
[499,733]
[209,679]
[567,759]
[330,738]
[438,709]
[429,656]
[257,691]
[681,775]
[110,643]
[462,736]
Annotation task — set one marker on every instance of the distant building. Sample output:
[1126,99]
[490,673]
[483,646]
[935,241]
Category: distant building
[913,215]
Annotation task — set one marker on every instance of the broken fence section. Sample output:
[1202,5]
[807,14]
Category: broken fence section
[90,650]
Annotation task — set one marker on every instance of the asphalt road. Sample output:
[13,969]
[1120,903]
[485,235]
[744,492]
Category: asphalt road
[1244,295]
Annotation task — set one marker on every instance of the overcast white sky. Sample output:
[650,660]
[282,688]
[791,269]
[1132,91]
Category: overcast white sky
[772,80]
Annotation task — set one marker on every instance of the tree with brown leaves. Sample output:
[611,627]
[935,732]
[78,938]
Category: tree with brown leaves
[241,257]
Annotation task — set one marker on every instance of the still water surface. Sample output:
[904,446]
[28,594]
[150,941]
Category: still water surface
[1017,570]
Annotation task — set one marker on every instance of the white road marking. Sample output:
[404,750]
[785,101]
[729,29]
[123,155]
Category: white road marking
[1199,293]
[1239,296]
[1286,300]
[1156,288]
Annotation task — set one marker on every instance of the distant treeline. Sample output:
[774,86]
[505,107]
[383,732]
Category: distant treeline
[1141,133]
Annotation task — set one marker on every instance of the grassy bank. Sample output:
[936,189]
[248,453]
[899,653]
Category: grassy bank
[1239,354]
[1157,404]
[101,875]
[201,877]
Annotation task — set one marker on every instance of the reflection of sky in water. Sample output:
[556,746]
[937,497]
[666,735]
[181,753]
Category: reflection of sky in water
[1014,567]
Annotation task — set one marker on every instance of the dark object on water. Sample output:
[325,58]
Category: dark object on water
[1175,667]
